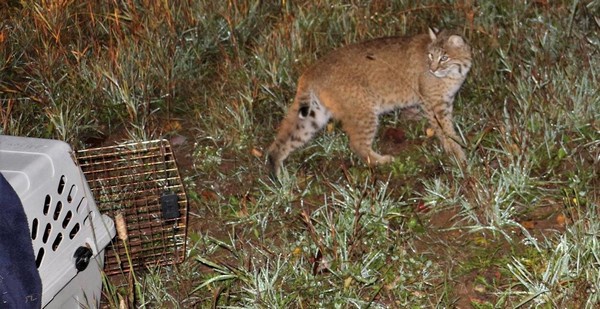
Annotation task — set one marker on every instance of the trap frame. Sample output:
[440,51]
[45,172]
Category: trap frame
[141,181]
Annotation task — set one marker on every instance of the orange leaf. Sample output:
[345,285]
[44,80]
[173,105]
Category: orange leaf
[330,127]
[561,220]
[528,224]
[172,125]
[257,153]
[429,132]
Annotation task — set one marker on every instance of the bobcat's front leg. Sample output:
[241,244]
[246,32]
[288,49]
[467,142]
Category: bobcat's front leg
[440,119]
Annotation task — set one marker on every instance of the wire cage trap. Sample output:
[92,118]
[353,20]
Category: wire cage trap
[141,181]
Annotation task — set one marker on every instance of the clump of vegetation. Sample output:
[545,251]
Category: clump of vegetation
[517,227]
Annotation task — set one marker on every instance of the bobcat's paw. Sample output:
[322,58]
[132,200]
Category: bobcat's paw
[376,159]
[385,159]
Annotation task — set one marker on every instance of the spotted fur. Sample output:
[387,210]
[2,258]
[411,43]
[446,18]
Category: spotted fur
[357,83]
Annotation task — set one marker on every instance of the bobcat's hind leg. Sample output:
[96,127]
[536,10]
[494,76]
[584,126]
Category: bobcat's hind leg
[361,133]
[306,117]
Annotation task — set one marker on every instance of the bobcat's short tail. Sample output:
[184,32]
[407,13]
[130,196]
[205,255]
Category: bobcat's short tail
[306,116]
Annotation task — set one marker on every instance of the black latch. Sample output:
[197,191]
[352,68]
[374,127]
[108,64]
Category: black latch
[82,257]
[169,203]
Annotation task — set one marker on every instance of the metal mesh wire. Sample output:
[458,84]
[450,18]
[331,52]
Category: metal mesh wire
[131,179]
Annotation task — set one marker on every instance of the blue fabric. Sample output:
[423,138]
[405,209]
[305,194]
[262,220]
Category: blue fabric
[20,283]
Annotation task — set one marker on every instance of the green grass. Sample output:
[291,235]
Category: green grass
[518,227]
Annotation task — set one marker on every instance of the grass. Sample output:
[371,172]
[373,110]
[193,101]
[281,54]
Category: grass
[517,228]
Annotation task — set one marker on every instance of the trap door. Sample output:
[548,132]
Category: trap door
[141,181]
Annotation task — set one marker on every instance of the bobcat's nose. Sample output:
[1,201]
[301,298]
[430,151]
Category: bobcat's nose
[433,67]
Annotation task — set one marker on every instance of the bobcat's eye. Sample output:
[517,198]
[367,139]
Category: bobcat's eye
[444,58]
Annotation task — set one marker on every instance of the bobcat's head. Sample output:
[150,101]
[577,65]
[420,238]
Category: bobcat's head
[449,55]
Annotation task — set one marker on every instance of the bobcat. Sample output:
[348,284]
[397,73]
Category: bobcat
[356,83]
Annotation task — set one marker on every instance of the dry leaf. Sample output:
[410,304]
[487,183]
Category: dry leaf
[528,224]
[330,127]
[430,132]
[479,288]
[209,195]
[257,153]
[172,125]
[481,241]
[297,251]
[561,220]
[348,282]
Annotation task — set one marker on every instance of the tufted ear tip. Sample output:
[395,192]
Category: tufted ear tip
[433,32]
[456,40]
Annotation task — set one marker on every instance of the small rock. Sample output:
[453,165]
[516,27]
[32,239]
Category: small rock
[178,140]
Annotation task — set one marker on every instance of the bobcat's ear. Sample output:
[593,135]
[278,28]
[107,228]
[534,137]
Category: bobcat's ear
[456,41]
[433,32]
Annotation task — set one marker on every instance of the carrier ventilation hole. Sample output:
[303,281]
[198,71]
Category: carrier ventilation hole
[39,258]
[74,231]
[81,205]
[47,233]
[57,210]
[67,219]
[72,194]
[61,184]
[57,241]
[47,204]
[34,228]
[91,215]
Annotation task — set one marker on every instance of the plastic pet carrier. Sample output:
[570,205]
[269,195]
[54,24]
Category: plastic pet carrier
[68,233]
[140,181]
